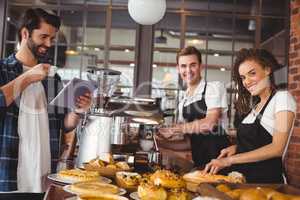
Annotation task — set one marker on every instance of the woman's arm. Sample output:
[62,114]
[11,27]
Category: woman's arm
[283,124]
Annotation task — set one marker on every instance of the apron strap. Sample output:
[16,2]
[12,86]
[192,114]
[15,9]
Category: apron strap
[204,91]
[261,112]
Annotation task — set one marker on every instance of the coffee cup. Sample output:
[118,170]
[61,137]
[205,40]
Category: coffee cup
[52,70]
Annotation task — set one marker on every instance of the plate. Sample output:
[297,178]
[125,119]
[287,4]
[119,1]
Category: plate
[204,198]
[67,188]
[116,198]
[138,113]
[56,178]
[134,195]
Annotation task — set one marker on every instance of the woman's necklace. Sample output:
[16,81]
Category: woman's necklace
[257,108]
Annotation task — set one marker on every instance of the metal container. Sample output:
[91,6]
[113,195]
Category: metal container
[94,139]
[104,79]
[119,131]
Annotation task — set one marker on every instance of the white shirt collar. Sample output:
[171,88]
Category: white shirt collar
[198,91]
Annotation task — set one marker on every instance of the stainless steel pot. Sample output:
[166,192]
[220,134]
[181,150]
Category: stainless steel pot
[94,139]
[98,133]
[119,130]
[123,131]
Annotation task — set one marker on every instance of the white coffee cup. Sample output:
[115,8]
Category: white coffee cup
[52,70]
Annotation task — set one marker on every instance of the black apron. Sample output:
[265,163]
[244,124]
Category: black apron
[251,137]
[205,146]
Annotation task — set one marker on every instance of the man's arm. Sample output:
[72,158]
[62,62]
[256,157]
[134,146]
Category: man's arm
[72,119]
[203,125]
[176,145]
[13,89]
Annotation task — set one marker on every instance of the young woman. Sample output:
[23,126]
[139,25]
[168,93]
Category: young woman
[263,134]
[202,109]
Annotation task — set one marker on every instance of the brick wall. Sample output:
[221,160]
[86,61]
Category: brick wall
[292,162]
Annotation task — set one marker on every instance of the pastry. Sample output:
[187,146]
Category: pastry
[235,194]
[149,191]
[102,197]
[201,177]
[78,175]
[223,188]
[167,179]
[179,194]
[128,180]
[94,188]
[96,162]
[123,165]
[106,168]
[253,194]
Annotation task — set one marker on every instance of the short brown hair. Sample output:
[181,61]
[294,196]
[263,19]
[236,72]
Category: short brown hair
[190,50]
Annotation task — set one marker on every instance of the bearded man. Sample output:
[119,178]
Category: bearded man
[29,127]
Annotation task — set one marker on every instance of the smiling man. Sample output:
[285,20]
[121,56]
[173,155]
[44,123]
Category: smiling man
[29,127]
[202,112]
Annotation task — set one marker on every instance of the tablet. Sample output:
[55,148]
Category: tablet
[67,96]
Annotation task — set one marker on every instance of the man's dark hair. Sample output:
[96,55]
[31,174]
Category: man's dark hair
[32,18]
[190,50]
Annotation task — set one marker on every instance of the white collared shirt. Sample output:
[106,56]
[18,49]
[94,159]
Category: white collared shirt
[215,97]
[281,101]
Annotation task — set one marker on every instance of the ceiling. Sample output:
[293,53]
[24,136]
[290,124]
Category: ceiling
[211,25]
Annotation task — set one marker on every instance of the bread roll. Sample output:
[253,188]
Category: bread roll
[234,194]
[253,194]
[123,165]
[148,191]
[223,188]
[179,194]
[202,177]
[279,196]
[167,179]
[128,180]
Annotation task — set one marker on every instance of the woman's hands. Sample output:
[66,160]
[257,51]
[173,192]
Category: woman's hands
[227,152]
[215,165]
[222,161]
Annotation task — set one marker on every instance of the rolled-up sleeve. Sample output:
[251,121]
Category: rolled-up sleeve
[216,96]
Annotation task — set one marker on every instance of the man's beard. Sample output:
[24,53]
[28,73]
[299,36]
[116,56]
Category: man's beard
[41,57]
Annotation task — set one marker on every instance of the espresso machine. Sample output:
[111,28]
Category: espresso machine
[112,126]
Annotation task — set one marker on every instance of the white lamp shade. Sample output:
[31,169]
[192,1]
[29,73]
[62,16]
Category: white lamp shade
[147,12]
